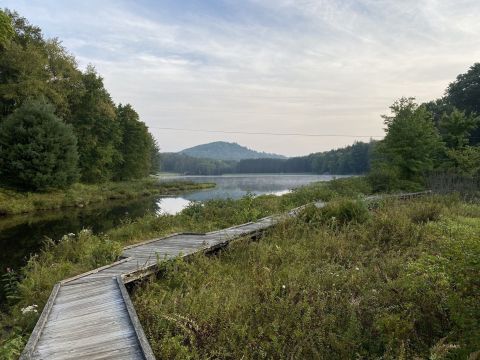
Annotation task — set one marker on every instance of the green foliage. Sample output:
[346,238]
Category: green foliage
[136,145]
[336,212]
[221,150]
[97,131]
[353,159]
[80,195]
[6,29]
[310,290]
[425,212]
[456,128]
[412,144]
[37,150]
[464,161]
[464,94]
[32,67]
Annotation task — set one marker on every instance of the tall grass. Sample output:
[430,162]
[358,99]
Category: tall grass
[400,283]
[85,251]
[80,195]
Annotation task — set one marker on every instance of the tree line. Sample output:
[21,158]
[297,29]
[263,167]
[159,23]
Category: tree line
[59,124]
[353,159]
[440,136]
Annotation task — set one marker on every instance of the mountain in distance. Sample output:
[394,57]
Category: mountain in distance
[222,150]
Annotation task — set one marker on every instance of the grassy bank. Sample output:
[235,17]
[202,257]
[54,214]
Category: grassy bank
[80,195]
[398,282]
[85,251]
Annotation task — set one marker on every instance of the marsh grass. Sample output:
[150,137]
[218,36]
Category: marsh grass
[72,255]
[393,285]
[80,195]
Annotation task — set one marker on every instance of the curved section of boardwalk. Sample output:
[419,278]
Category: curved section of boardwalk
[91,316]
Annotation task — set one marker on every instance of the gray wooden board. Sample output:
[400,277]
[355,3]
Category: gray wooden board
[91,317]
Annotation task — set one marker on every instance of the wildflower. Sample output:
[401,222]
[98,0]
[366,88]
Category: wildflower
[70,234]
[30,309]
[357,268]
[284,287]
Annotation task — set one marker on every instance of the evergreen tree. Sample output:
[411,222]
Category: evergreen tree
[37,150]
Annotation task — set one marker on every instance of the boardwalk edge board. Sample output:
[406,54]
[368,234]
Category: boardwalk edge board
[129,270]
[144,344]
[35,336]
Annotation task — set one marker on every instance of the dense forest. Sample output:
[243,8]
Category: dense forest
[58,124]
[353,159]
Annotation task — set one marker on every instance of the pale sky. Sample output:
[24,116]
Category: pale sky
[283,66]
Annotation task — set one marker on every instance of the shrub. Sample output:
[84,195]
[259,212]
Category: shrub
[340,211]
[424,212]
[383,178]
[37,150]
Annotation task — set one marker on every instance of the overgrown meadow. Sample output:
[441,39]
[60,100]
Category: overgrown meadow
[28,291]
[398,282]
[387,279]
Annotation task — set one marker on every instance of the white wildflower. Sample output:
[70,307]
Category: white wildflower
[357,268]
[30,309]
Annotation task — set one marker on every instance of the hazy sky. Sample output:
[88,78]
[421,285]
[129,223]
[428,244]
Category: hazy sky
[316,67]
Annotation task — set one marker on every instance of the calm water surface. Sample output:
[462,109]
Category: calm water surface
[21,236]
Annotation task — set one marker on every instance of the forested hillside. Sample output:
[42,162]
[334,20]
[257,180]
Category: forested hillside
[221,150]
[59,124]
[353,159]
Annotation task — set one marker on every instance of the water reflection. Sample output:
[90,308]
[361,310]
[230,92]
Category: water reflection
[21,236]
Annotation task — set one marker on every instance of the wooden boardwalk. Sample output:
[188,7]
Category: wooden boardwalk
[90,316]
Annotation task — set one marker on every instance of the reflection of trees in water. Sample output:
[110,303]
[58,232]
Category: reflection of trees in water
[23,235]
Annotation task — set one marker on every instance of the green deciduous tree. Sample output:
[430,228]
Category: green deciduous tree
[98,132]
[38,151]
[6,29]
[135,146]
[464,94]
[412,143]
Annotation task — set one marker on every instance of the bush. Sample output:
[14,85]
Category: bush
[383,178]
[425,212]
[341,212]
[37,150]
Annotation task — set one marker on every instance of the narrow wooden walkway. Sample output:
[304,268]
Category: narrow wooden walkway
[91,316]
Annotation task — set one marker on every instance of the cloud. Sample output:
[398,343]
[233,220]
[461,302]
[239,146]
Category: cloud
[266,65]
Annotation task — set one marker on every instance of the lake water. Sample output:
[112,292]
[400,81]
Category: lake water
[23,235]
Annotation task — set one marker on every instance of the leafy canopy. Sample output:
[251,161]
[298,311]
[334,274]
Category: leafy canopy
[412,142]
[37,150]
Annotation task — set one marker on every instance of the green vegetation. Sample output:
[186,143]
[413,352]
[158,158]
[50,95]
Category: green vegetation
[400,282]
[111,141]
[221,150]
[32,127]
[85,251]
[80,195]
[353,159]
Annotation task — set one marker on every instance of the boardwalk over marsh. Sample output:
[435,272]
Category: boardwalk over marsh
[90,316]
